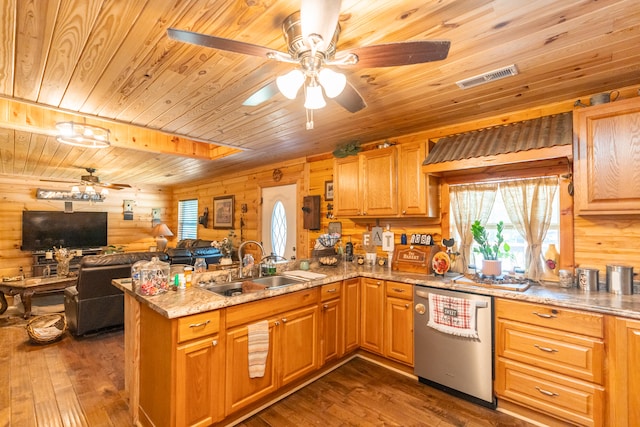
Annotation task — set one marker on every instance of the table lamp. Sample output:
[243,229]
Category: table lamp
[159,232]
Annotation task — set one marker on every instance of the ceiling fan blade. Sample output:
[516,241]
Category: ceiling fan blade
[350,99]
[263,94]
[115,186]
[400,53]
[62,181]
[319,17]
[220,43]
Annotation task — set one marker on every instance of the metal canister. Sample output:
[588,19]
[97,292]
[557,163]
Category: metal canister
[620,279]
[587,278]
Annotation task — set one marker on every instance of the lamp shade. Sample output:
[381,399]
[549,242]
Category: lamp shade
[290,83]
[332,82]
[314,99]
[161,230]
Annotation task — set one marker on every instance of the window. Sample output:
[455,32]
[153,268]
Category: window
[278,228]
[188,219]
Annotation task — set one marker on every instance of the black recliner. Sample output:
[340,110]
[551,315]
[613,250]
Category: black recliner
[94,303]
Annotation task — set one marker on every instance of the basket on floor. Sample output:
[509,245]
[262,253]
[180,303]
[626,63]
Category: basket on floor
[47,328]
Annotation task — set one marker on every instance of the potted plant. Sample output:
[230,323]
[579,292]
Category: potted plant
[491,251]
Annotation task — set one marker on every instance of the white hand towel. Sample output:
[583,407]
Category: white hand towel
[455,316]
[258,342]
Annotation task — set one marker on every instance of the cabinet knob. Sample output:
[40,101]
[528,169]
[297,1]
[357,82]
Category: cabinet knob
[214,343]
[277,323]
[404,212]
[325,306]
[406,306]
[284,320]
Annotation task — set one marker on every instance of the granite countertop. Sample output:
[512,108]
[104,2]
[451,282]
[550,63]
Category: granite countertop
[194,300]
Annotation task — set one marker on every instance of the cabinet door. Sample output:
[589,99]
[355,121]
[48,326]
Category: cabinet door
[625,375]
[606,153]
[330,313]
[199,382]
[372,306]
[419,192]
[351,317]
[298,341]
[398,340]
[241,390]
[346,187]
[379,177]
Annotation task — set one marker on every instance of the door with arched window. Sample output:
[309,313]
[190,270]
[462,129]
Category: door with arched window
[279,220]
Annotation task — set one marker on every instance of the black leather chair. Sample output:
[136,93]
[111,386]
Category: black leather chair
[94,303]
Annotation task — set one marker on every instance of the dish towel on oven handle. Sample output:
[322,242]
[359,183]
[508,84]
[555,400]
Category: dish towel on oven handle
[258,342]
[455,316]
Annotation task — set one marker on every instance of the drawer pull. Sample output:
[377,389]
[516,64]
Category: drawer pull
[546,392]
[544,315]
[398,290]
[547,349]
[326,306]
[197,325]
[214,343]
[332,290]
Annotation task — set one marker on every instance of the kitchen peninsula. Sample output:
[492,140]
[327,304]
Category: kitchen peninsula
[194,342]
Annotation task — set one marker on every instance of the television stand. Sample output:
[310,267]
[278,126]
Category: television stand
[40,262]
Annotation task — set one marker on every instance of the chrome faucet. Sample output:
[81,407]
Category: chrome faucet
[240,273]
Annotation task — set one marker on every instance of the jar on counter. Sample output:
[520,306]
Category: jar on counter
[154,277]
[200,266]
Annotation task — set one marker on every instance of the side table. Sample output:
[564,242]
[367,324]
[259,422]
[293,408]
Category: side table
[33,285]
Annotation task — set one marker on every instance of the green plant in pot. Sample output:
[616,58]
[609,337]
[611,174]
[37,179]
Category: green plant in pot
[490,251]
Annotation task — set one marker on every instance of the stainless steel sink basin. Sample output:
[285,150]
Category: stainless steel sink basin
[257,284]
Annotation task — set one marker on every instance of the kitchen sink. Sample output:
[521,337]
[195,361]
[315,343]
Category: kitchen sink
[232,289]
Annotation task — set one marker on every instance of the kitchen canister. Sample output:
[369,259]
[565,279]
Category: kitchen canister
[620,279]
[587,278]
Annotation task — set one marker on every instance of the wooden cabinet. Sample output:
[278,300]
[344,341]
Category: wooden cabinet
[551,360]
[372,315]
[624,373]
[331,334]
[419,192]
[293,345]
[398,335]
[379,177]
[181,370]
[351,314]
[347,197]
[606,152]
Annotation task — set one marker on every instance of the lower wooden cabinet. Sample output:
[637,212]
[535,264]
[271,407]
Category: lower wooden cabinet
[294,349]
[398,336]
[332,326]
[351,314]
[624,370]
[181,372]
[372,315]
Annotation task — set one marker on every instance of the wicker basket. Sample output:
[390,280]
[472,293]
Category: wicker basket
[47,328]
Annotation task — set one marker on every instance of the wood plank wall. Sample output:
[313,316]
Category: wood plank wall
[135,235]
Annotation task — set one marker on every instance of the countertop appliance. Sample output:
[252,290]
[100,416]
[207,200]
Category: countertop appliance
[458,365]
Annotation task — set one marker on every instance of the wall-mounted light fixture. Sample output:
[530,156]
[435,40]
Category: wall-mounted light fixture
[82,135]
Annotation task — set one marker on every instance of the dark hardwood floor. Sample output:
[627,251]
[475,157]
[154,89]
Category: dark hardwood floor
[79,382]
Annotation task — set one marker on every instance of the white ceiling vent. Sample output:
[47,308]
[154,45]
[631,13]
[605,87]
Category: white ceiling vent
[498,74]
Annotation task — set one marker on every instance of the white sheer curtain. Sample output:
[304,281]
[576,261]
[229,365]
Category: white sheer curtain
[529,204]
[469,202]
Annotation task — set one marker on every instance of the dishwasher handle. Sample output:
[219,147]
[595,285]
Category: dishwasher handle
[478,304]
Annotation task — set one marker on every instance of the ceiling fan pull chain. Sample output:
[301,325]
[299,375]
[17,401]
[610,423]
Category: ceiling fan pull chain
[309,119]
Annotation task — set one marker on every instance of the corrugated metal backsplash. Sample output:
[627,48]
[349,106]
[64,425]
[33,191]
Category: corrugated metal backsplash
[543,132]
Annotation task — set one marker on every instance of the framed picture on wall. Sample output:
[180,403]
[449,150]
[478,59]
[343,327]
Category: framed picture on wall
[328,190]
[223,212]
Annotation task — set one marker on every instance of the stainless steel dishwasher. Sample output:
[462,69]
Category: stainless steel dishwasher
[458,365]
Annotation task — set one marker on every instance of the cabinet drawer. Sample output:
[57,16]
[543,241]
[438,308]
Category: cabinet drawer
[577,356]
[567,320]
[330,291]
[198,325]
[399,290]
[572,400]
[261,309]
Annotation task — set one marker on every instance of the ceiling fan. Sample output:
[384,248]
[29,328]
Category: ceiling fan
[312,35]
[92,180]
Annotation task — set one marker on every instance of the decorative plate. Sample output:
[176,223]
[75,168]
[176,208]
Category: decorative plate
[441,263]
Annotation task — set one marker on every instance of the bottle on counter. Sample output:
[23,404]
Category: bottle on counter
[188,272]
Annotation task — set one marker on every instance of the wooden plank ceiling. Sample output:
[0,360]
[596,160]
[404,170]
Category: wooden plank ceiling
[176,113]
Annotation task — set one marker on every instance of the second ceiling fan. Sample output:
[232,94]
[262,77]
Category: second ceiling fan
[312,35]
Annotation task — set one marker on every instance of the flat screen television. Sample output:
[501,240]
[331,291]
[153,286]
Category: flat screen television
[42,230]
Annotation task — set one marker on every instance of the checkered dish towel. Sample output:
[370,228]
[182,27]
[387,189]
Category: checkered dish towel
[258,342]
[455,316]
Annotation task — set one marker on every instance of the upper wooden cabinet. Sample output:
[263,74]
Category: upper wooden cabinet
[386,182]
[606,157]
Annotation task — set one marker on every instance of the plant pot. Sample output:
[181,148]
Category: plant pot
[491,267]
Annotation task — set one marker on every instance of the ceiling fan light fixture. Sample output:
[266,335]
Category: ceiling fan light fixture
[332,82]
[82,135]
[290,83]
[75,189]
[314,99]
